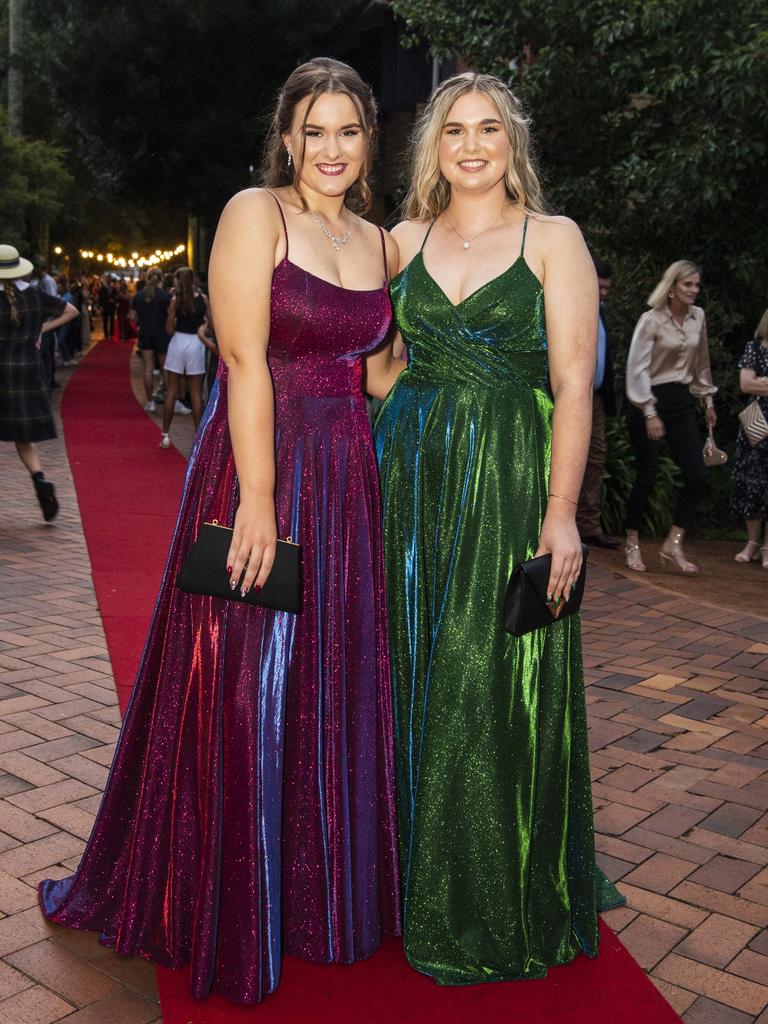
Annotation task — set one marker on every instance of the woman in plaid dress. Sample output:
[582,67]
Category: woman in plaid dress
[25,406]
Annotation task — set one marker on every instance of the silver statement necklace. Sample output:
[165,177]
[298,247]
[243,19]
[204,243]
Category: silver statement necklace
[336,240]
[467,242]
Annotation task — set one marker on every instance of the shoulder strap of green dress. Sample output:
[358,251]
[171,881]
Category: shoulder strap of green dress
[525,231]
[424,240]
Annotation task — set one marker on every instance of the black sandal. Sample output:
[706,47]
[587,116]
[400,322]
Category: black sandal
[46,495]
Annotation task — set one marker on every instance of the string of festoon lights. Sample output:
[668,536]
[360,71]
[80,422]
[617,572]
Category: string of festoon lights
[134,260]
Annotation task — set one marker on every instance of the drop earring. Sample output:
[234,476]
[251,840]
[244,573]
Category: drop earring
[290,160]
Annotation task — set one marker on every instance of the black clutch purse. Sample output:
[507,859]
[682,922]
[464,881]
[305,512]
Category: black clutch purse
[205,572]
[526,607]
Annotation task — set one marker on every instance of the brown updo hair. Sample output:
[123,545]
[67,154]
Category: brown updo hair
[313,79]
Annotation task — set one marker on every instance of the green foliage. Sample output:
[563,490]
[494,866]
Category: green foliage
[33,183]
[651,127]
[162,109]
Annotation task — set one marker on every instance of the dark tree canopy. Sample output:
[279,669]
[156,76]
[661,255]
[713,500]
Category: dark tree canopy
[650,120]
[161,107]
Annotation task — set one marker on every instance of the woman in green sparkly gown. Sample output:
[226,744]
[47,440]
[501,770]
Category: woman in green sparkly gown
[482,445]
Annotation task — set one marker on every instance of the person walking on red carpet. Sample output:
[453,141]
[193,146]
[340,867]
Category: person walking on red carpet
[186,353]
[149,309]
[26,417]
[250,809]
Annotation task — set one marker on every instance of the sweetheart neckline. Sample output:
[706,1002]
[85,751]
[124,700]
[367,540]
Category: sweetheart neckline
[457,305]
[324,280]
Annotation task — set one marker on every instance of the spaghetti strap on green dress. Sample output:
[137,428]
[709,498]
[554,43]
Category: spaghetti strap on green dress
[494,797]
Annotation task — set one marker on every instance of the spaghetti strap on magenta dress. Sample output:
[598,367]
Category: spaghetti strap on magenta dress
[250,809]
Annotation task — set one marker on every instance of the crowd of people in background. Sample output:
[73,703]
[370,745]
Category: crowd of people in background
[48,319]
[668,372]
[166,315]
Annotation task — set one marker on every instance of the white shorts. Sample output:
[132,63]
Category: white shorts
[186,354]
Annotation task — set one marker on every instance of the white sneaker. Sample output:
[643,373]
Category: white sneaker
[165,441]
[150,406]
[180,407]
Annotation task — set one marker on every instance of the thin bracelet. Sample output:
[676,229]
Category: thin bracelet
[562,498]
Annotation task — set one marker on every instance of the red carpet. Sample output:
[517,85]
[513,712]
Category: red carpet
[128,490]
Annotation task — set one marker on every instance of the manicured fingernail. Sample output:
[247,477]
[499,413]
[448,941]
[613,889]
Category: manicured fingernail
[229,569]
[243,591]
[549,597]
[257,587]
[233,584]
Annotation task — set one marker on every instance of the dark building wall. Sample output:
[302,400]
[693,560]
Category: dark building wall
[401,79]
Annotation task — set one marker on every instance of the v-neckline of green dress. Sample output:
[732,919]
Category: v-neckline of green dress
[482,288]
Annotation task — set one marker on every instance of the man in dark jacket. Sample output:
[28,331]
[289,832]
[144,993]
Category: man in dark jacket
[107,302]
[589,512]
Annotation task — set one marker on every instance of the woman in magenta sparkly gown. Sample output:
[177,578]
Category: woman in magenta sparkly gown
[250,810]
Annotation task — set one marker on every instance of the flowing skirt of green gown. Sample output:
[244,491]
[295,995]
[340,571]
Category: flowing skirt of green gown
[494,796]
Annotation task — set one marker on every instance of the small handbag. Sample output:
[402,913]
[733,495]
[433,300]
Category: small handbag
[526,607]
[713,456]
[753,423]
[205,572]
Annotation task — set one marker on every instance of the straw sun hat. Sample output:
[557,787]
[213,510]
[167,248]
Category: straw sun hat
[11,264]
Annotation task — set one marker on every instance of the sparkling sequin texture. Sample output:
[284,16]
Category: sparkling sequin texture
[494,802]
[250,810]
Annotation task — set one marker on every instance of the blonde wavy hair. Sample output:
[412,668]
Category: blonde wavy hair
[675,272]
[430,193]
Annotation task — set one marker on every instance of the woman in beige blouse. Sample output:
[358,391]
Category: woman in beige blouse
[667,371]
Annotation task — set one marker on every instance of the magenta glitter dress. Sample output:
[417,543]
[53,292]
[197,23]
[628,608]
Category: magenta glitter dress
[250,809]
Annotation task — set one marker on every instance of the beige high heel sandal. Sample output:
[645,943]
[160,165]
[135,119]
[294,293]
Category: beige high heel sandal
[749,553]
[672,553]
[764,553]
[633,556]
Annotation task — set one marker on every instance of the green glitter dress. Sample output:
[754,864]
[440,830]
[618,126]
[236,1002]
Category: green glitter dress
[495,812]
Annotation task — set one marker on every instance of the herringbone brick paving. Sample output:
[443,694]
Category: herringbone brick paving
[678,705]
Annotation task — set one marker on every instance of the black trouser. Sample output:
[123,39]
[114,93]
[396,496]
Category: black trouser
[676,407]
[108,320]
[65,336]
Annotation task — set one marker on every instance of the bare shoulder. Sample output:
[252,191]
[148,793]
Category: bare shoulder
[556,230]
[410,230]
[253,205]
[409,235]
[249,231]
[393,253]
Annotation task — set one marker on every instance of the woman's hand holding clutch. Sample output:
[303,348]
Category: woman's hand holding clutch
[560,539]
[254,543]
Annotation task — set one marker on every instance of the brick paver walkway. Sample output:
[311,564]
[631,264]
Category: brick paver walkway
[678,702]
[58,725]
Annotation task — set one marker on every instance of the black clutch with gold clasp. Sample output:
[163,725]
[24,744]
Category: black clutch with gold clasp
[526,607]
[205,572]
